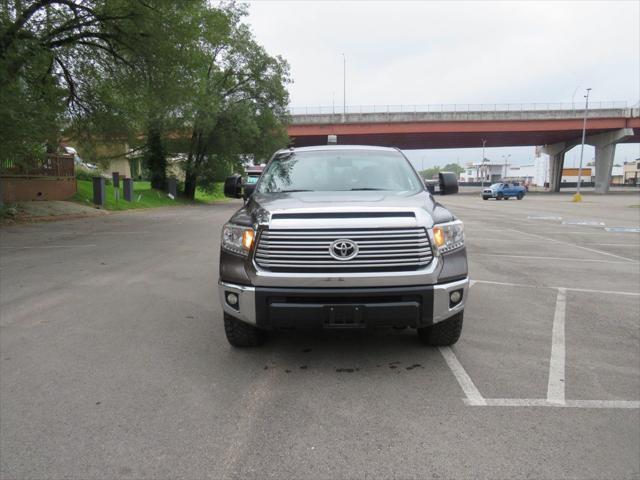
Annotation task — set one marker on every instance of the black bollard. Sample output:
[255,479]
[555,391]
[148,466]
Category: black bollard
[172,187]
[127,186]
[98,191]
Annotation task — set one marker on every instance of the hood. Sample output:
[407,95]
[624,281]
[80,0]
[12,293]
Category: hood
[266,208]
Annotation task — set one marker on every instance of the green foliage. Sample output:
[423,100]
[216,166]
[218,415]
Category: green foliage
[453,167]
[83,173]
[432,172]
[160,77]
[155,158]
[148,196]
[429,173]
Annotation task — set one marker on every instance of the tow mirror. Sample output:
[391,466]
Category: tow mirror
[448,183]
[248,190]
[233,186]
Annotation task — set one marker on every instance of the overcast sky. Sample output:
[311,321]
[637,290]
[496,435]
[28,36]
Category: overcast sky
[413,52]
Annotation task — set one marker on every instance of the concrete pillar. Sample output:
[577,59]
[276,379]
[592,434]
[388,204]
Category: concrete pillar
[556,164]
[605,144]
[604,165]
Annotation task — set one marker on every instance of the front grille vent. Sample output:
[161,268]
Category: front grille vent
[382,249]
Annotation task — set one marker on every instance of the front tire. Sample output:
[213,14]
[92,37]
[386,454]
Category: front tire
[241,334]
[500,196]
[485,198]
[444,333]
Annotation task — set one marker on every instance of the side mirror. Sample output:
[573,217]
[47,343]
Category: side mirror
[248,190]
[448,183]
[233,186]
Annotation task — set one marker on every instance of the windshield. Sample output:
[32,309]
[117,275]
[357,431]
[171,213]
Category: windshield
[339,171]
[495,185]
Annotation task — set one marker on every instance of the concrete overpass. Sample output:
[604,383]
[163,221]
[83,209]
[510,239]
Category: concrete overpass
[555,127]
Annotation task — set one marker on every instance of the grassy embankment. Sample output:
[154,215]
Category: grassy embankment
[144,196]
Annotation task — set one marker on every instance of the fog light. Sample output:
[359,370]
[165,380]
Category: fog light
[455,297]
[232,299]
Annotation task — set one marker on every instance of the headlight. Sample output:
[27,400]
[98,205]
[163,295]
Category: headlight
[448,236]
[237,239]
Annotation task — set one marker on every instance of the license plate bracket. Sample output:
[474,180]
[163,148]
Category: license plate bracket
[345,316]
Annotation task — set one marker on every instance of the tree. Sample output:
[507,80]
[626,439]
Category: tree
[149,77]
[48,48]
[453,167]
[429,173]
[241,105]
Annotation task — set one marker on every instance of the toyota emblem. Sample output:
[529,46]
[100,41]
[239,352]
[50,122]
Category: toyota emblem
[343,249]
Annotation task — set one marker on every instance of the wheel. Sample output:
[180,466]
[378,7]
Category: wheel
[443,333]
[241,334]
[500,196]
[520,195]
[506,197]
[485,198]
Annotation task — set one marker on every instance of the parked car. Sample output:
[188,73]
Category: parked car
[504,190]
[342,237]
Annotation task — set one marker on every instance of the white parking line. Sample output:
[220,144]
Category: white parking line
[474,397]
[636,245]
[540,402]
[570,289]
[555,388]
[48,246]
[553,240]
[532,257]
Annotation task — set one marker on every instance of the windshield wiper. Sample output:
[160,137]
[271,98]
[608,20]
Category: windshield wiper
[293,191]
[366,189]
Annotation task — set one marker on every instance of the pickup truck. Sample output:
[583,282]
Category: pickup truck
[341,237]
[503,190]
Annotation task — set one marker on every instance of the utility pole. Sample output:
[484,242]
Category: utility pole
[344,84]
[577,197]
[484,142]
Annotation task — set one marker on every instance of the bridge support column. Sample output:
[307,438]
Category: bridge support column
[604,165]
[556,163]
[605,144]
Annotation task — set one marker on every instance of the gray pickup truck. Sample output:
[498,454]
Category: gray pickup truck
[342,237]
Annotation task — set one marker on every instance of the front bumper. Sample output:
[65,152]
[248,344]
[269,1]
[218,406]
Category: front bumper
[276,307]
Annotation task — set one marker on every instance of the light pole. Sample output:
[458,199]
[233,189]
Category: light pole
[577,197]
[484,142]
[344,84]
[505,158]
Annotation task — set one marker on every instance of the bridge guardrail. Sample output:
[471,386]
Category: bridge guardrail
[456,108]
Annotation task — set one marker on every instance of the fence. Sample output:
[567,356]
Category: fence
[453,108]
[53,165]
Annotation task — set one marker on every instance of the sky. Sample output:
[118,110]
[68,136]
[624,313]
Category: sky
[432,52]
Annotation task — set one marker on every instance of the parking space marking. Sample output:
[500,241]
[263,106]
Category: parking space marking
[47,246]
[541,402]
[593,260]
[555,388]
[570,289]
[553,240]
[474,397]
[637,245]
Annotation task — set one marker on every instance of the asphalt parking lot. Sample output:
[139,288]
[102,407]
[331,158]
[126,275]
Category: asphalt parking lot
[113,360]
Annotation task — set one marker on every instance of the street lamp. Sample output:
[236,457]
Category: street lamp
[344,84]
[505,159]
[484,142]
[577,197]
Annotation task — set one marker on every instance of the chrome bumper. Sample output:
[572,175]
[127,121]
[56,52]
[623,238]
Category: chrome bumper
[246,310]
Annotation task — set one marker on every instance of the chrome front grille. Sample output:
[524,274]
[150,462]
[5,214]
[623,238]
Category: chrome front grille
[309,250]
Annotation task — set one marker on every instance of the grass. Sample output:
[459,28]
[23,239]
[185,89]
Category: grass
[143,196]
